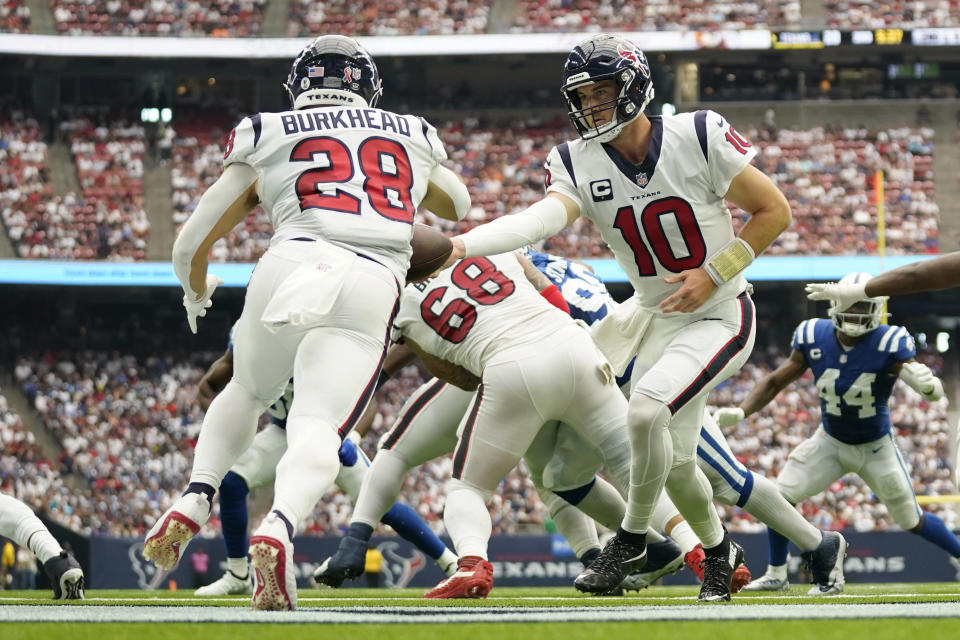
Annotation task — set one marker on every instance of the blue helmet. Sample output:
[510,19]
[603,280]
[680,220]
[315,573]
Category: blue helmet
[333,70]
[607,57]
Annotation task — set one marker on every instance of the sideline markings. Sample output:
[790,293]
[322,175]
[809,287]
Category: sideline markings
[446,615]
[636,600]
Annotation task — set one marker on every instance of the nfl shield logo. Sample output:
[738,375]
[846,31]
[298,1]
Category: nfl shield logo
[642,180]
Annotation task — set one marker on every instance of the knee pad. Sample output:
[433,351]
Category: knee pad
[459,485]
[645,413]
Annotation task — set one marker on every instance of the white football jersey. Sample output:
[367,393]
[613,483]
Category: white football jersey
[475,309]
[352,176]
[667,214]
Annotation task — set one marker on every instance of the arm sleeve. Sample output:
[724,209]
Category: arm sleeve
[213,205]
[540,220]
[554,297]
[728,153]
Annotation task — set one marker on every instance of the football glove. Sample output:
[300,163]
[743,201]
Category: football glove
[844,294]
[922,380]
[198,308]
[728,416]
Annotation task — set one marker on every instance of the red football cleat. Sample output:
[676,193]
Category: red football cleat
[741,578]
[473,579]
[694,561]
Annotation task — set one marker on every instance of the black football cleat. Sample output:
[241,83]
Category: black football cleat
[66,577]
[347,563]
[617,560]
[719,564]
[826,564]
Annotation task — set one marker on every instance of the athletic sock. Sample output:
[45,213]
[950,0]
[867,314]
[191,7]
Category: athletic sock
[934,530]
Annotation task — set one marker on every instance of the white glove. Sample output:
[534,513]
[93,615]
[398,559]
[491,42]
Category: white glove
[198,308]
[844,294]
[918,376]
[728,416]
[922,380]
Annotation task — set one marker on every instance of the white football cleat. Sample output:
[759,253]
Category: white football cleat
[169,537]
[271,560]
[229,584]
[767,582]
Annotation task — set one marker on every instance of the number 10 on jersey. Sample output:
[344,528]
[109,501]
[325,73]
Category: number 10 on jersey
[651,220]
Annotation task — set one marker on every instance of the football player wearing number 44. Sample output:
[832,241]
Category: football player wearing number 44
[341,181]
[655,187]
[855,361]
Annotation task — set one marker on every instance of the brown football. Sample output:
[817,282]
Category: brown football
[430,250]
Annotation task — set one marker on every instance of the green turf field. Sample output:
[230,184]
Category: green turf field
[903,611]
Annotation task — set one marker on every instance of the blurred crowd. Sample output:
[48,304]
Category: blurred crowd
[387,17]
[828,175]
[218,18]
[14,17]
[240,18]
[105,220]
[127,428]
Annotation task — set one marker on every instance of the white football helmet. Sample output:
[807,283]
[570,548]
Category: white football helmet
[863,316]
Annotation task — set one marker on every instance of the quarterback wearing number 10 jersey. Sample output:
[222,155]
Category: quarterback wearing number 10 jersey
[667,214]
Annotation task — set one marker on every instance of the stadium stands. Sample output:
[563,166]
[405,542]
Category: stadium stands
[24,472]
[651,15]
[827,175]
[863,14]
[219,18]
[105,222]
[242,18]
[14,17]
[390,18]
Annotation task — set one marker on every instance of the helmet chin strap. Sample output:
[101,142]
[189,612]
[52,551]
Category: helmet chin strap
[328,97]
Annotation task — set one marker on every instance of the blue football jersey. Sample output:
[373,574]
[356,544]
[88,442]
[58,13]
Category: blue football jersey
[854,383]
[584,292]
[279,409]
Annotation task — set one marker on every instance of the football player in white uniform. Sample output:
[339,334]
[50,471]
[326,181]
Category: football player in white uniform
[484,318]
[256,468]
[655,189]
[20,524]
[561,464]
[341,181]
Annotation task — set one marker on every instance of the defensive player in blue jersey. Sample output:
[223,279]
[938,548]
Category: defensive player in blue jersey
[256,468]
[855,361]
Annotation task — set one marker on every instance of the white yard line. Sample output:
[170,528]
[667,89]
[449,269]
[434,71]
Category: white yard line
[635,599]
[446,615]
